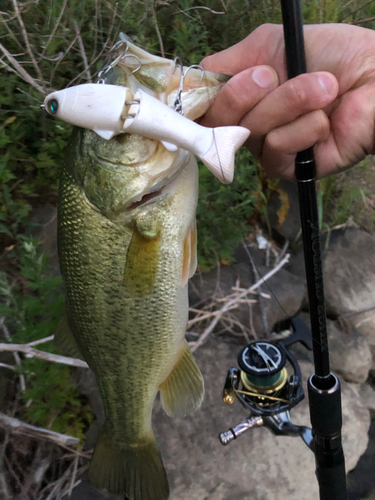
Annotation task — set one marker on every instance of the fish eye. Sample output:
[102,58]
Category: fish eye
[52,106]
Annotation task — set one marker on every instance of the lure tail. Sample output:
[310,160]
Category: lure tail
[135,471]
[219,159]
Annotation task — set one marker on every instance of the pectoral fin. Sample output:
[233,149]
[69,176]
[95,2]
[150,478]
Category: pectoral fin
[141,264]
[189,260]
[65,341]
[182,392]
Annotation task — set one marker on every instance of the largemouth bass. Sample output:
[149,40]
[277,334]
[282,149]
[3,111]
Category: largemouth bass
[127,247]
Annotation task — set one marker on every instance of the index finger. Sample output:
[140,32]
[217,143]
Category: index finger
[264,46]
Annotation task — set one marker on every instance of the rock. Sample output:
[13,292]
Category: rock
[289,289]
[258,465]
[349,277]
[350,354]
[367,394]
[349,272]
[361,480]
[364,321]
[290,228]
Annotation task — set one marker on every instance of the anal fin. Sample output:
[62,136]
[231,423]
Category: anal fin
[65,341]
[183,391]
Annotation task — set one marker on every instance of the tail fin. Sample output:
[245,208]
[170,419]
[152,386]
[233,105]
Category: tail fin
[219,159]
[135,471]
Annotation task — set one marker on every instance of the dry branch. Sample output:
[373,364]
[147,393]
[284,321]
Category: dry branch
[54,28]
[232,303]
[16,357]
[15,426]
[82,50]
[157,29]
[202,7]
[26,39]
[18,69]
[35,353]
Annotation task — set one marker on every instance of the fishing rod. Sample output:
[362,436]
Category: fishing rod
[323,387]
[261,383]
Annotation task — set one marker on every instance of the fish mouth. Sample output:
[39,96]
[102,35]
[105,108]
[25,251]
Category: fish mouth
[147,199]
[156,193]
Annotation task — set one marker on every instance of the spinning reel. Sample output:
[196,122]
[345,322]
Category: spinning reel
[263,387]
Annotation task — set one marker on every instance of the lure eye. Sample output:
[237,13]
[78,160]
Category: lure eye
[52,106]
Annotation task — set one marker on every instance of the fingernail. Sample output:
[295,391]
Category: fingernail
[326,83]
[265,77]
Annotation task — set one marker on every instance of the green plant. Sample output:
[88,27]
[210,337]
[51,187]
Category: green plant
[348,196]
[224,211]
[32,310]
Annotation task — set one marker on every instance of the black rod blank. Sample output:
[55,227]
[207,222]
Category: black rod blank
[323,387]
[305,174]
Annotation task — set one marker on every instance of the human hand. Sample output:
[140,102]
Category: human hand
[331,107]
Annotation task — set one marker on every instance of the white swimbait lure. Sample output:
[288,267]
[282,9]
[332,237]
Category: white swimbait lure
[110,110]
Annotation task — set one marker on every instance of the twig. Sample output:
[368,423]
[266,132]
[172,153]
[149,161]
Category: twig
[13,472]
[74,475]
[60,60]
[26,39]
[367,20]
[356,10]
[54,29]
[157,29]
[15,426]
[256,275]
[202,7]
[60,484]
[10,367]
[41,341]
[35,353]
[262,294]
[82,50]
[22,73]
[16,357]
[93,61]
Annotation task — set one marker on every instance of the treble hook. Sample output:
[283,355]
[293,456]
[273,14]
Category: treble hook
[121,56]
[124,56]
[178,100]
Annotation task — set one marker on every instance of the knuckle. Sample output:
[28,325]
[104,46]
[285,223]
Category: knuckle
[266,29]
[273,142]
[230,96]
[321,121]
[296,92]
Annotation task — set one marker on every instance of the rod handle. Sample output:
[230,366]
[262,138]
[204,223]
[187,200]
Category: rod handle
[332,480]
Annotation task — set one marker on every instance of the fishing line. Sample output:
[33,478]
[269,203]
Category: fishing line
[246,246]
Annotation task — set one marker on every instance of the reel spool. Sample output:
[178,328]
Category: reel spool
[262,384]
[263,373]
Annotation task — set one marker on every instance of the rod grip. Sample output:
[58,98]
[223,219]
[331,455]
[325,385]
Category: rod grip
[326,421]
[325,406]
[332,480]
